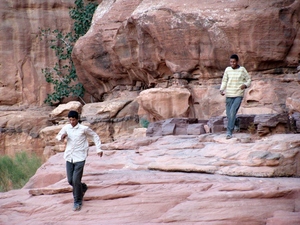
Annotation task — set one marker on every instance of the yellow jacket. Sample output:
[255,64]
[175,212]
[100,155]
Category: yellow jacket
[233,79]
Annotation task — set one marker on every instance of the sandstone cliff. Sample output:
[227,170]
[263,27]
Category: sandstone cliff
[162,44]
[152,59]
[23,54]
[22,85]
[156,60]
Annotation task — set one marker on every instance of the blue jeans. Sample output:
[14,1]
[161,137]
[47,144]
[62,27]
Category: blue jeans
[74,175]
[232,107]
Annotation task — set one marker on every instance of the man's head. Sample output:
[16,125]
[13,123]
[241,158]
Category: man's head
[73,118]
[234,59]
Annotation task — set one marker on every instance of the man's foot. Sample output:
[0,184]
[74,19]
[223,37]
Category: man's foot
[237,129]
[84,189]
[228,136]
[76,207]
[237,125]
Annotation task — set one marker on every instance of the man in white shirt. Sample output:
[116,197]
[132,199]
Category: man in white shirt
[76,152]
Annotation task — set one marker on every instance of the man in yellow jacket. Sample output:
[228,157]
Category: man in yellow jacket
[235,80]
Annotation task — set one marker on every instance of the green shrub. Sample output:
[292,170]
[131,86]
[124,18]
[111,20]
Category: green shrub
[15,172]
[63,75]
[144,123]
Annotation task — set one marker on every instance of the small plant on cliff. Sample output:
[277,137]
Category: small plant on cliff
[15,172]
[144,123]
[63,75]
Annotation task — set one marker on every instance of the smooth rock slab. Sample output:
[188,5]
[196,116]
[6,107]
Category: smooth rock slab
[154,197]
[122,190]
[273,156]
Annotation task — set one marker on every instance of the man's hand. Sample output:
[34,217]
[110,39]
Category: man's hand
[222,92]
[100,154]
[63,136]
[243,87]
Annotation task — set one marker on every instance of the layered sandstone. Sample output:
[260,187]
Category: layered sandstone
[23,87]
[20,131]
[132,48]
[157,60]
[186,44]
[130,185]
[177,50]
[23,54]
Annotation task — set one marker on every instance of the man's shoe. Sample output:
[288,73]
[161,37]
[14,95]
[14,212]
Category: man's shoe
[76,207]
[84,189]
[237,125]
[228,136]
[237,129]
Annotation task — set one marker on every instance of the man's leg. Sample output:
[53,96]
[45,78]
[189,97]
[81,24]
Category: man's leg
[70,170]
[84,188]
[237,125]
[232,107]
[229,102]
[77,186]
[70,175]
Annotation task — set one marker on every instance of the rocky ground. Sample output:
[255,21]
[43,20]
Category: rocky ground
[156,59]
[169,180]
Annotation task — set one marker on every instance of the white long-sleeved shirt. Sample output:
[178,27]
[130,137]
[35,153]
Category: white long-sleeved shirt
[77,142]
[233,79]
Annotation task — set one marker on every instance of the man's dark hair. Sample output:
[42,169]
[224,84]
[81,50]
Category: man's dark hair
[234,56]
[73,114]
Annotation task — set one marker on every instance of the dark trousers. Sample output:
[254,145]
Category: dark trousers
[74,175]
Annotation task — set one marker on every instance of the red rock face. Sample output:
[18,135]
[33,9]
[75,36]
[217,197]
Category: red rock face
[23,55]
[150,40]
[134,41]
[182,46]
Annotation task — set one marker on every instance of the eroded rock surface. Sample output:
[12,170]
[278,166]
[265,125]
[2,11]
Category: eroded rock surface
[130,185]
[163,44]
[162,59]
[23,54]
[19,131]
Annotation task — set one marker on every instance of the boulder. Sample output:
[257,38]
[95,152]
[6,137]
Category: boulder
[158,103]
[111,119]
[52,146]
[295,122]
[272,123]
[216,124]
[261,124]
[20,131]
[105,111]
[146,41]
[293,103]
[195,129]
[175,126]
[62,110]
